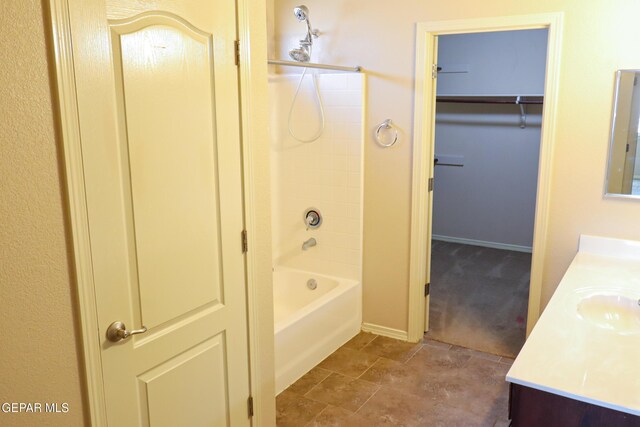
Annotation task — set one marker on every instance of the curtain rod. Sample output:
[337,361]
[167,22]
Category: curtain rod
[356,69]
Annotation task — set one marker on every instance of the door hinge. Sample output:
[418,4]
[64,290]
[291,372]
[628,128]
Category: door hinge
[628,147]
[426,289]
[245,243]
[434,71]
[430,184]
[237,51]
[250,406]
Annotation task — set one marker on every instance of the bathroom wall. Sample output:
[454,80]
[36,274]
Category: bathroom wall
[490,200]
[39,346]
[325,174]
[271,31]
[598,37]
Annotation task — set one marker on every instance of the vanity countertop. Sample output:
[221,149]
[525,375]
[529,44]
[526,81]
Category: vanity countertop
[569,354]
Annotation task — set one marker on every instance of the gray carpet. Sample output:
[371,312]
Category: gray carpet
[479,297]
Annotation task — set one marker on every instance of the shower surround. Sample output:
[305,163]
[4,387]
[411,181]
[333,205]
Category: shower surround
[326,175]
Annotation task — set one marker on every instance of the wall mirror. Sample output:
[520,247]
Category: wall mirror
[623,172]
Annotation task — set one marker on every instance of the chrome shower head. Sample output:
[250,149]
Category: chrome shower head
[301,12]
[300,54]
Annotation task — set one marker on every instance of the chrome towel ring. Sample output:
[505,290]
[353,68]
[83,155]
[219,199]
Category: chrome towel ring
[386,125]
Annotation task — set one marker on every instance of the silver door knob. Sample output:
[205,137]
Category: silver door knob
[118,331]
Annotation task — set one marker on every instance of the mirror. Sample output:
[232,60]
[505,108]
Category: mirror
[623,173]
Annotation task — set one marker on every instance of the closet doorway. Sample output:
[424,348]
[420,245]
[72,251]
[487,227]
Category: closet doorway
[487,141]
[489,102]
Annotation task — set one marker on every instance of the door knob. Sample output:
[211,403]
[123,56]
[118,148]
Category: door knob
[118,331]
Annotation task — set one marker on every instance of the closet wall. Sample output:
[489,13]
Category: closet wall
[490,199]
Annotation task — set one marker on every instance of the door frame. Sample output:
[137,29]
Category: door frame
[252,78]
[423,149]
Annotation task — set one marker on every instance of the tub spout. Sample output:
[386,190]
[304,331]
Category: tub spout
[309,243]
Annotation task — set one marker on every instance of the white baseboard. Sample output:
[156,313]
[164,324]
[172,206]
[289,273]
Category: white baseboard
[495,245]
[384,331]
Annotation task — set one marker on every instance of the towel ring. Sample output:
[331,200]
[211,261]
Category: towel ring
[386,125]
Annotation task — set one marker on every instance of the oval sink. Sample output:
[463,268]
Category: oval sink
[616,313]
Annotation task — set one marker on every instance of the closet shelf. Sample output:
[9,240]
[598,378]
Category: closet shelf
[498,99]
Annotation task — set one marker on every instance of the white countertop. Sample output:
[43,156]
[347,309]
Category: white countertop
[574,357]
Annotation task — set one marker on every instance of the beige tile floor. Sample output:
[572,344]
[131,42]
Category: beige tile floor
[374,380]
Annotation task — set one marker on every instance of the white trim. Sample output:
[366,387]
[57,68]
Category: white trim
[423,142]
[253,78]
[384,331]
[483,243]
[421,199]
[69,127]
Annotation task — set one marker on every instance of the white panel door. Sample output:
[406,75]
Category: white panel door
[159,110]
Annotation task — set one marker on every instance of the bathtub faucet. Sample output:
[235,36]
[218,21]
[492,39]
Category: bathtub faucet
[309,243]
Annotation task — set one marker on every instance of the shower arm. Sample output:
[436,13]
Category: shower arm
[307,41]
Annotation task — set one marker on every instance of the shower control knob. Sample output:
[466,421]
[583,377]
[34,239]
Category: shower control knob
[312,218]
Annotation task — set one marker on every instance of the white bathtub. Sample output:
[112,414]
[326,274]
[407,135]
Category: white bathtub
[311,324]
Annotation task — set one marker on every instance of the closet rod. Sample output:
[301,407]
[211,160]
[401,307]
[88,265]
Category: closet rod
[517,100]
[356,69]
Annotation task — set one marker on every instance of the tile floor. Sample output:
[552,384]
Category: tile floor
[374,380]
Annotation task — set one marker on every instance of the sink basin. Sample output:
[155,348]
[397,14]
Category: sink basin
[616,313]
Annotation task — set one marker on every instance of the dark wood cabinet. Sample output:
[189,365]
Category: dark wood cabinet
[529,407]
